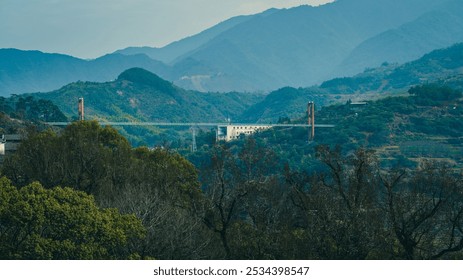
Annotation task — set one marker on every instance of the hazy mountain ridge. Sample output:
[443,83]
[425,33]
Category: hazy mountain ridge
[295,47]
[437,29]
[175,49]
[32,71]
[442,66]
[290,47]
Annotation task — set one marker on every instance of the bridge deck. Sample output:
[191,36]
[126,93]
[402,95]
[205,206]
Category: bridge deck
[194,124]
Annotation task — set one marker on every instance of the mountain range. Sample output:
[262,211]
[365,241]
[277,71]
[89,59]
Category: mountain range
[140,95]
[308,45]
[295,47]
[32,71]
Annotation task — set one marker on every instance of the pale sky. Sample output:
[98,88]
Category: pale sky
[91,28]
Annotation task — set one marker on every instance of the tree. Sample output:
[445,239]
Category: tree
[164,193]
[337,211]
[39,158]
[224,195]
[425,211]
[61,223]
[159,186]
[434,93]
[258,231]
[352,186]
[354,210]
[86,156]
[242,200]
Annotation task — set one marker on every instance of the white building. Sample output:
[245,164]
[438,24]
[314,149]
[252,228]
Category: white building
[234,131]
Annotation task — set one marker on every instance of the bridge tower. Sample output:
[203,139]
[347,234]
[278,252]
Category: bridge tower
[81,109]
[311,120]
[193,134]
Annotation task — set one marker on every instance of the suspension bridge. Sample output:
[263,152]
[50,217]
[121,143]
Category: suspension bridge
[225,131]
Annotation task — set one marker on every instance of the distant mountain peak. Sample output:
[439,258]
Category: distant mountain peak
[144,77]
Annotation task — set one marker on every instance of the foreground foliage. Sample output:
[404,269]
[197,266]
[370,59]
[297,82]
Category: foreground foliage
[160,187]
[61,223]
[240,204]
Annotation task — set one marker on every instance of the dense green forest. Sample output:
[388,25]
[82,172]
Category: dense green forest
[239,205]
[426,123]
[17,113]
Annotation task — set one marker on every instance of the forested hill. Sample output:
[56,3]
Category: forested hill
[429,112]
[139,95]
[425,124]
[17,113]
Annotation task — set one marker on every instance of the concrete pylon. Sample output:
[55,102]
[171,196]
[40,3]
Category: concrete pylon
[81,109]
[311,120]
